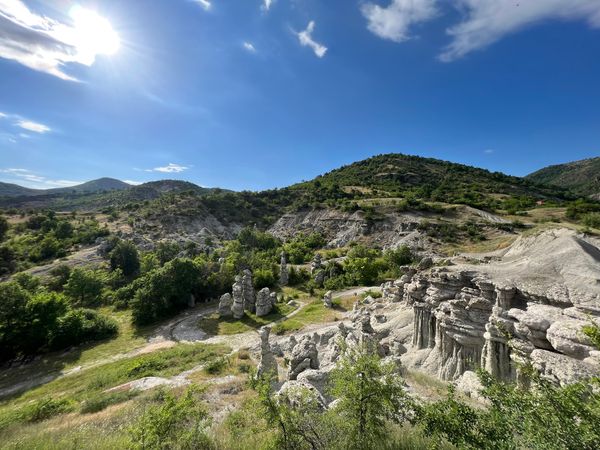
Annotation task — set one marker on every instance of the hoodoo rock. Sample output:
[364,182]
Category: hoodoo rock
[248,291]
[225,304]
[237,309]
[267,363]
[284,276]
[264,302]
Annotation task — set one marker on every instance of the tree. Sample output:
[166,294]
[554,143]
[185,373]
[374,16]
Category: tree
[165,291]
[3,227]
[370,394]
[13,303]
[7,260]
[63,230]
[175,423]
[125,257]
[84,287]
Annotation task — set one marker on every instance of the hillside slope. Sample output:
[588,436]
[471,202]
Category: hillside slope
[581,177]
[99,185]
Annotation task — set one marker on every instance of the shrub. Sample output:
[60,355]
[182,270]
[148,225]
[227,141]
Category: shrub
[125,257]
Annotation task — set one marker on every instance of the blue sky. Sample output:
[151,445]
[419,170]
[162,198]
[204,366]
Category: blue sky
[255,94]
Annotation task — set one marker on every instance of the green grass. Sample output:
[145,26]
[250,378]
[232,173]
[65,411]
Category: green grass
[214,325]
[128,339]
[314,312]
[80,388]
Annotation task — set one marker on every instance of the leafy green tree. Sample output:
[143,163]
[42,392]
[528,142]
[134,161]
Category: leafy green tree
[175,423]
[7,260]
[165,291]
[3,227]
[370,393]
[63,230]
[27,281]
[84,287]
[13,303]
[125,257]
[59,277]
[166,251]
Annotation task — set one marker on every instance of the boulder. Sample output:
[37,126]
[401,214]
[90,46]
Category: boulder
[264,302]
[225,304]
[304,356]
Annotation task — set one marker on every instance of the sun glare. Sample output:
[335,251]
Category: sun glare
[94,33]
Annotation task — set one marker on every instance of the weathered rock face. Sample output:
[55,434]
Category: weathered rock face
[237,309]
[248,291]
[304,356]
[498,315]
[264,302]
[284,276]
[267,363]
[225,304]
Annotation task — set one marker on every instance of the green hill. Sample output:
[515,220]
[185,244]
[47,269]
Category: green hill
[581,177]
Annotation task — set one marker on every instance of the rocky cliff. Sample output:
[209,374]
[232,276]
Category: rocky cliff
[529,306]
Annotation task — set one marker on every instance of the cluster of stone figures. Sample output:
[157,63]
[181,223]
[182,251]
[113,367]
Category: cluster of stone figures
[245,298]
[311,358]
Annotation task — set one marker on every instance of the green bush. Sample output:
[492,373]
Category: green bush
[591,220]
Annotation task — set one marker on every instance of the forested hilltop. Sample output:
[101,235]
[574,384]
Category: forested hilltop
[580,177]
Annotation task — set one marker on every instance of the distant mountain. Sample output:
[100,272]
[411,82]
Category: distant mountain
[99,185]
[581,177]
[14,190]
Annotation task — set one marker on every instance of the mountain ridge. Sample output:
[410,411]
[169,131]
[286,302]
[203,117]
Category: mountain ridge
[582,176]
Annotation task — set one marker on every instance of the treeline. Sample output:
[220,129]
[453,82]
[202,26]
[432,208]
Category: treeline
[34,319]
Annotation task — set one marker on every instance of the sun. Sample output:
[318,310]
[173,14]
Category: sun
[94,34]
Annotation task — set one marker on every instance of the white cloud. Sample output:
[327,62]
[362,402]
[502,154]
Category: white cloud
[31,179]
[305,38]
[488,21]
[488,151]
[46,45]
[33,126]
[206,4]
[393,22]
[266,6]
[2,115]
[133,182]
[169,168]
[249,46]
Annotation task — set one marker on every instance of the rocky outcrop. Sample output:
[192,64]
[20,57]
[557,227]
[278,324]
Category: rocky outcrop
[265,300]
[267,363]
[304,356]
[248,291]
[237,309]
[499,315]
[225,304]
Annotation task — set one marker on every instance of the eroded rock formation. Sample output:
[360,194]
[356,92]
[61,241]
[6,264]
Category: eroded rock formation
[527,307]
[237,309]
[225,304]
[248,291]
